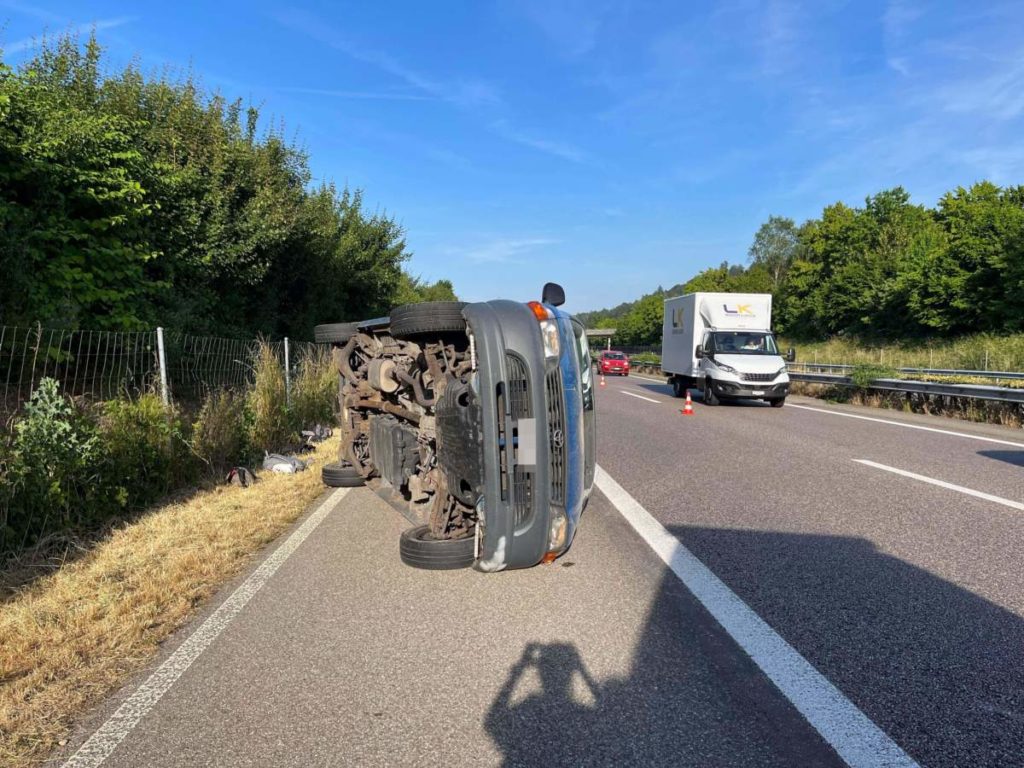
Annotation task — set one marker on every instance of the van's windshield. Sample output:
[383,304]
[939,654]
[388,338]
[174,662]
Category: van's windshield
[742,343]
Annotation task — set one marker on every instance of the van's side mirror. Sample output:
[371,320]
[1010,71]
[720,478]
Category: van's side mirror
[699,352]
[791,355]
[553,294]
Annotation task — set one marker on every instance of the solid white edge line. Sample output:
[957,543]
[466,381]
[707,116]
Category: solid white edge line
[99,746]
[642,397]
[943,484]
[908,426]
[856,739]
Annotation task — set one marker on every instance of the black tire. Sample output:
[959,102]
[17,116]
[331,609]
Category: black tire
[335,333]
[419,550]
[341,476]
[778,402]
[678,387]
[709,394]
[428,317]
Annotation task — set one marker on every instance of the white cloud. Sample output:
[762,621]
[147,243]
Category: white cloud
[78,29]
[554,148]
[500,250]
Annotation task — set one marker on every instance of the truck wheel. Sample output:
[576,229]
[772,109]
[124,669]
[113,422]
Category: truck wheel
[778,402]
[419,550]
[678,387]
[337,475]
[709,395]
[428,317]
[335,333]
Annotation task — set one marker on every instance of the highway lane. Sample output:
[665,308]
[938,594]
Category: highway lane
[905,595]
[347,657]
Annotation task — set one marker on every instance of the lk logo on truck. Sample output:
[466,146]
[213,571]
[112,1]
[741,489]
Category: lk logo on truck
[743,310]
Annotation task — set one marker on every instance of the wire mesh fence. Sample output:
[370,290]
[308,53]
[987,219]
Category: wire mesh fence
[103,365]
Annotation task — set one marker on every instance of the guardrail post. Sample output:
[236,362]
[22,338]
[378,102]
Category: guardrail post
[287,376]
[162,360]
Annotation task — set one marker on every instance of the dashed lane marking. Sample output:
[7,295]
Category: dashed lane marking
[909,426]
[642,397]
[944,484]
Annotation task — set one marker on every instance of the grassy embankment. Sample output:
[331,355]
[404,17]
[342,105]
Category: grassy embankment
[74,636]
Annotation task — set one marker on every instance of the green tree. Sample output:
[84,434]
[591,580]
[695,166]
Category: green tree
[774,247]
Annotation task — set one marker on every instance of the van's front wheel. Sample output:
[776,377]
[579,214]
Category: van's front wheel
[709,394]
[419,549]
[778,402]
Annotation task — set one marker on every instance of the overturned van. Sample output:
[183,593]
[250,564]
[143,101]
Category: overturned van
[476,421]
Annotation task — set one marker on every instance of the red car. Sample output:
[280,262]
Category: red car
[613,362]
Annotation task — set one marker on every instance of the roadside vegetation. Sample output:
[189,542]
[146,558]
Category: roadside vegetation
[131,199]
[69,469]
[945,284]
[76,634]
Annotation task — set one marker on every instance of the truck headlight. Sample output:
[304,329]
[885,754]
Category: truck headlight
[781,371]
[724,367]
[549,335]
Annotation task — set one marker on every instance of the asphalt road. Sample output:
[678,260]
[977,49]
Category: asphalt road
[905,595]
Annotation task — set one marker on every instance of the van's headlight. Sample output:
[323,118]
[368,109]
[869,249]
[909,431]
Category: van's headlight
[549,334]
[558,534]
[781,371]
[548,328]
[724,367]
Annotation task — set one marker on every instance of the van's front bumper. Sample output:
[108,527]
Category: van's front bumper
[526,445]
[752,390]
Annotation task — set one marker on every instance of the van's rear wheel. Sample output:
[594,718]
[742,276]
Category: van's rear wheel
[429,317]
[678,387]
[335,333]
[419,549]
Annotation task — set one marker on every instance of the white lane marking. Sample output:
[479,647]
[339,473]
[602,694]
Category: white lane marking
[848,731]
[648,378]
[944,484]
[99,746]
[642,397]
[909,426]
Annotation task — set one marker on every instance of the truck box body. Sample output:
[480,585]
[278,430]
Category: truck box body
[688,317]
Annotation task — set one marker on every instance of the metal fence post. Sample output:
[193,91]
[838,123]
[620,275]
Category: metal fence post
[162,359]
[287,375]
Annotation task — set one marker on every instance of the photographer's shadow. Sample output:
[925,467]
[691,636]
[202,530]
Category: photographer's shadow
[547,707]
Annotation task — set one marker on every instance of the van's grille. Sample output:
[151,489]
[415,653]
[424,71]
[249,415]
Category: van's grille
[518,387]
[523,492]
[758,376]
[556,435]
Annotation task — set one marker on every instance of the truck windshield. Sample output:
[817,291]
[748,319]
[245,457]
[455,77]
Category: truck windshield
[743,343]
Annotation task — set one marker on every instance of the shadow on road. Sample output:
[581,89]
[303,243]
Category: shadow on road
[935,666]
[1010,457]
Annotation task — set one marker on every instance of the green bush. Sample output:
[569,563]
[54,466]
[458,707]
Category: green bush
[144,450]
[219,434]
[863,374]
[268,422]
[52,468]
[315,390]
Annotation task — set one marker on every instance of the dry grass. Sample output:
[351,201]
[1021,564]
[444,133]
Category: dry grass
[72,637]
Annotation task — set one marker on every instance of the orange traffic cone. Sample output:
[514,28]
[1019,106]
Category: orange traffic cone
[688,405]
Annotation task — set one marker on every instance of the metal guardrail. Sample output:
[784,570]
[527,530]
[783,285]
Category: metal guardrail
[1009,375]
[975,391]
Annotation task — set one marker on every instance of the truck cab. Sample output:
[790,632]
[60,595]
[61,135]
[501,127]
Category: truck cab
[741,365]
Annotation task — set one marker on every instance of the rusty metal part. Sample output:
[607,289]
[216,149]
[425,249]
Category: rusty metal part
[380,374]
[417,390]
[342,356]
[381,405]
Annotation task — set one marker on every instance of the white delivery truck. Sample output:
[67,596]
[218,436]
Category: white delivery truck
[722,343]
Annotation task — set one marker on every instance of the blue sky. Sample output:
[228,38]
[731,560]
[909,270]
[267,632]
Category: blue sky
[611,146]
